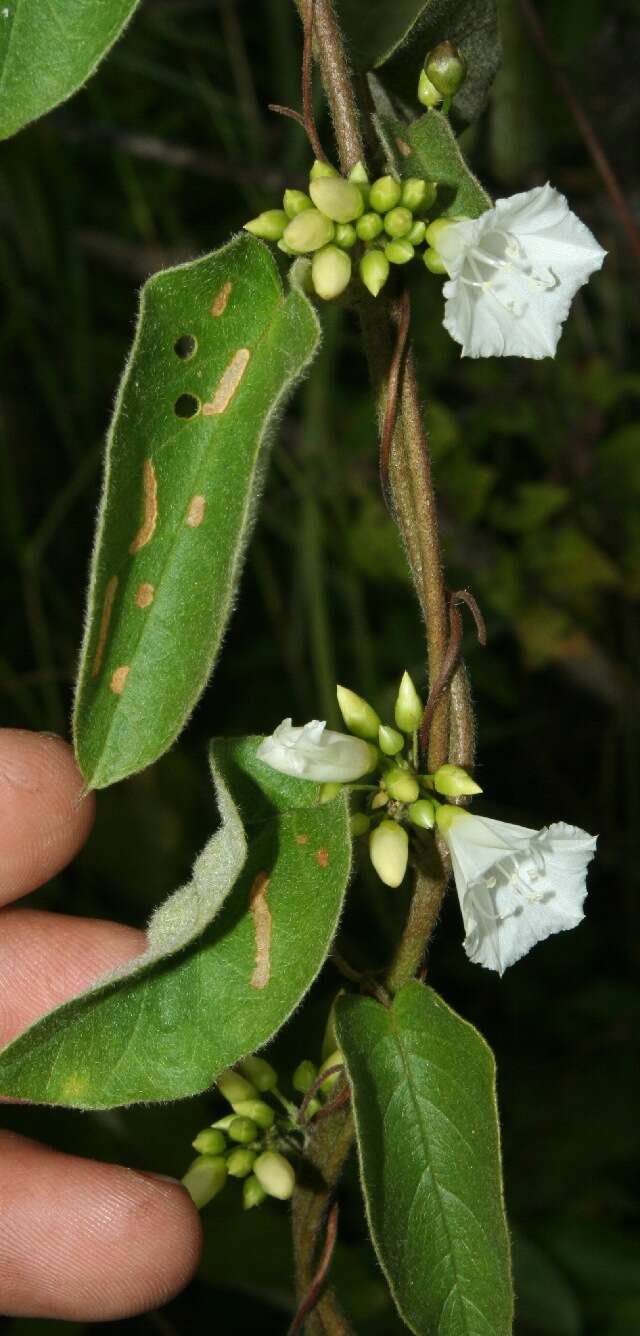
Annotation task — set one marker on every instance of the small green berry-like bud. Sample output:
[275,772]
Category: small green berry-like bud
[446,67]
[423,814]
[437,229]
[418,195]
[223,1124]
[260,1073]
[322,169]
[240,1162]
[416,235]
[286,250]
[359,174]
[234,1087]
[295,202]
[360,824]
[358,715]
[340,200]
[275,1175]
[374,270]
[211,1141]
[401,785]
[454,782]
[380,799]
[369,226]
[428,94]
[257,1110]
[390,740]
[269,225]
[252,1193]
[243,1130]
[408,709]
[308,231]
[385,194]
[398,222]
[330,790]
[304,1076]
[330,271]
[434,261]
[334,1059]
[399,251]
[389,852]
[205,1178]
[346,235]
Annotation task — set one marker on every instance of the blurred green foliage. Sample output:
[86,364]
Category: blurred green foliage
[162,156]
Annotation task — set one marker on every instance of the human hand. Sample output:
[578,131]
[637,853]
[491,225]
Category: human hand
[78,1239]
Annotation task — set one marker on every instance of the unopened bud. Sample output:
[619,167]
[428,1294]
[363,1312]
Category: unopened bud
[340,200]
[400,251]
[416,235]
[308,231]
[434,261]
[252,1193]
[385,194]
[359,174]
[205,1178]
[322,169]
[454,782]
[398,222]
[428,94]
[346,235]
[304,1076]
[234,1086]
[358,715]
[408,708]
[243,1130]
[223,1124]
[257,1110]
[380,799]
[240,1162]
[211,1141]
[437,230]
[269,225]
[389,852]
[275,1175]
[260,1073]
[446,67]
[330,271]
[329,791]
[369,226]
[360,824]
[286,250]
[390,741]
[401,785]
[334,1059]
[295,202]
[418,195]
[423,814]
[374,271]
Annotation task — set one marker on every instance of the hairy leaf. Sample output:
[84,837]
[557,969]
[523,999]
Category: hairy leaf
[48,50]
[217,348]
[229,956]
[423,1084]
[429,148]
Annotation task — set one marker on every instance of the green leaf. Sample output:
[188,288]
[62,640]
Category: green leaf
[399,35]
[220,338]
[48,50]
[423,1086]
[434,153]
[230,955]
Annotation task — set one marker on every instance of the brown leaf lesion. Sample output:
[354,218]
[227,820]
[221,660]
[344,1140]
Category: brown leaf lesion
[262,923]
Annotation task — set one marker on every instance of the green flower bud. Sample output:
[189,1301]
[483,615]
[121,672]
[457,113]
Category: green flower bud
[260,1073]
[308,231]
[408,708]
[243,1130]
[340,200]
[428,94]
[330,271]
[257,1110]
[435,230]
[334,1059]
[400,251]
[446,67]
[223,1124]
[416,235]
[379,800]
[423,814]
[312,1108]
[330,790]
[454,782]
[205,1178]
[385,194]
[345,235]
[418,195]
[252,1193]
[286,250]
[374,271]
[359,174]
[322,169]
[295,202]
[401,785]
[360,824]
[398,222]
[269,225]
[434,261]
[360,717]
[240,1162]
[211,1141]
[389,740]
[304,1076]
[389,852]
[275,1175]
[233,1086]
[369,226]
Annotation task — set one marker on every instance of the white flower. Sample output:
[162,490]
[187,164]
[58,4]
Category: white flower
[513,273]
[315,752]
[516,886]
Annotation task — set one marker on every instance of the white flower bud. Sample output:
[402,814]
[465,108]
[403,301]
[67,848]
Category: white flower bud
[330,271]
[315,752]
[340,200]
[308,231]
[275,1175]
[389,852]
[205,1178]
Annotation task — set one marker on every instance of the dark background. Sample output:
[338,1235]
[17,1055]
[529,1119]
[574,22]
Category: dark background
[168,150]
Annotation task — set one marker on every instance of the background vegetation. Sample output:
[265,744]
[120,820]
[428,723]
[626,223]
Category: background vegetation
[168,151]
